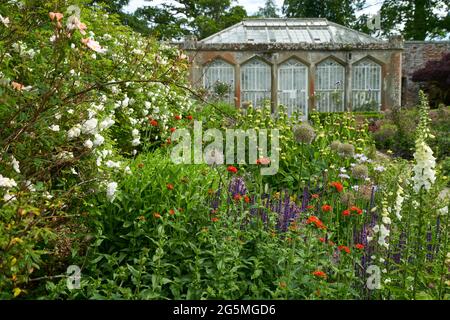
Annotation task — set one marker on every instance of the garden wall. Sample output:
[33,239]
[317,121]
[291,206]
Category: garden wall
[415,55]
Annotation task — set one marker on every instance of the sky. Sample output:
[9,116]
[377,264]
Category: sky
[252,5]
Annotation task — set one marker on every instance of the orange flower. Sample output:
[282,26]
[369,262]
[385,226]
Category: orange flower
[173,129]
[310,207]
[157,215]
[320,274]
[17,86]
[345,248]
[237,197]
[169,141]
[169,186]
[326,208]
[322,240]
[313,219]
[283,284]
[359,246]
[171,212]
[153,123]
[315,196]
[338,186]
[55,15]
[247,199]
[214,219]
[346,212]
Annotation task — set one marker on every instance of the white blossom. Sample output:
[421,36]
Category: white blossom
[15,164]
[98,140]
[74,132]
[54,127]
[88,144]
[5,21]
[90,126]
[7,182]
[111,190]
[105,124]
[424,173]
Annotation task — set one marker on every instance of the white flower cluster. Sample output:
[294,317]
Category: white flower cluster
[22,49]
[424,168]
[399,201]
[7,182]
[111,190]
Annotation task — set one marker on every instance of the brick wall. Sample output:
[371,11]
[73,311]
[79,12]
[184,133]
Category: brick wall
[415,56]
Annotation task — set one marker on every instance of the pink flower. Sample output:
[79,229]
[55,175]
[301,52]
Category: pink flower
[74,23]
[93,45]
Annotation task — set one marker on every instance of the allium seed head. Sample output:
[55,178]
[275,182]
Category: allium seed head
[346,150]
[304,133]
[360,171]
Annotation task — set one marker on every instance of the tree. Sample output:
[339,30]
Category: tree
[200,18]
[339,11]
[131,20]
[416,19]
[435,77]
[270,10]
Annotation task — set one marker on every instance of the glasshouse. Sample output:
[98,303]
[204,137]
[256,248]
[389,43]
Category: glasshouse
[303,64]
[247,159]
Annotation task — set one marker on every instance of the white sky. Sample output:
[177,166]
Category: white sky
[250,5]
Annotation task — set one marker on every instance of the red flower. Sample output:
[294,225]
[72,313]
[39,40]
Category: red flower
[326,208]
[320,274]
[345,248]
[232,169]
[356,209]
[315,196]
[346,212]
[359,246]
[172,129]
[171,212]
[177,117]
[338,186]
[237,197]
[153,123]
[322,240]
[189,117]
[157,215]
[247,199]
[169,186]
[214,219]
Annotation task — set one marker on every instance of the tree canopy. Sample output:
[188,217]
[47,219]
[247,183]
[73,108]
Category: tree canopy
[200,18]
[416,19]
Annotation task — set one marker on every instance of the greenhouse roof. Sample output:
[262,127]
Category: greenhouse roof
[289,31]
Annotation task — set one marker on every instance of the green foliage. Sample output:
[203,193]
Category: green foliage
[341,12]
[188,17]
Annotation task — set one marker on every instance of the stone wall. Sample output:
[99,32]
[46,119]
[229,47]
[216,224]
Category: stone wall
[415,56]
